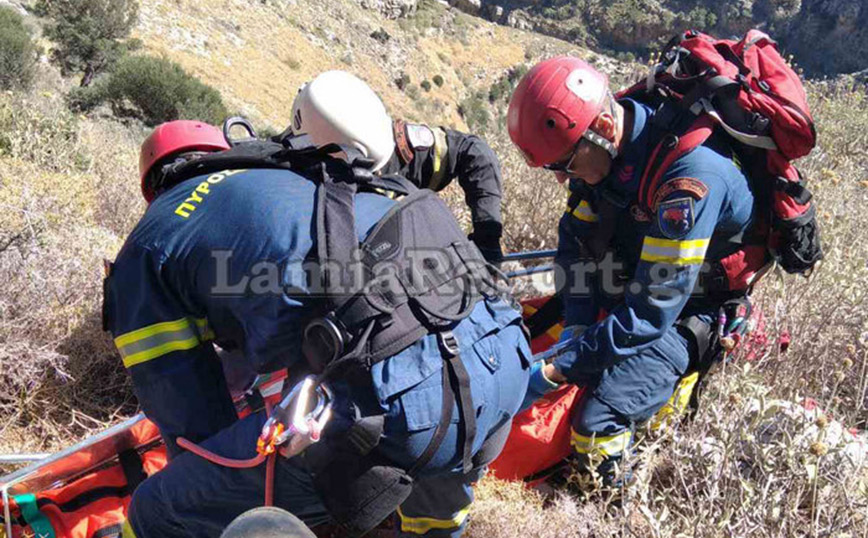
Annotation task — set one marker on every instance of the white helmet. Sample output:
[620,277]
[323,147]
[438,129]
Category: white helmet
[339,108]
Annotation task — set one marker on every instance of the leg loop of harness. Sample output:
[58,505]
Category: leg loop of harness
[456,382]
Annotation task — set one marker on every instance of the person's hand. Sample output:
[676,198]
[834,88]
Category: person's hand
[539,384]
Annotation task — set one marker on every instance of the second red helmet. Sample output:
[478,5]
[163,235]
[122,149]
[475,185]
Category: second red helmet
[552,106]
[176,137]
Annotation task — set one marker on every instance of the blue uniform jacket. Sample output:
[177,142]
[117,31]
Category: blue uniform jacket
[222,258]
[703,200]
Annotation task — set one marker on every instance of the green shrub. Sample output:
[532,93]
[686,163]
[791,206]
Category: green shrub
[291,62]
[438,80]
[475,112]
[498,90]
[17,54]
[402,81]
[426,85]
[154,89]
[412,91]
[502,88]
[89,34]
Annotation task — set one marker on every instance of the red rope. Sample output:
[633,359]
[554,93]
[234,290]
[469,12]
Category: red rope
[269,479]
[237,464]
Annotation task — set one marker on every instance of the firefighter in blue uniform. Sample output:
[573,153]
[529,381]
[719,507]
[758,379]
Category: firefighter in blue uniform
[430,157]
[219,258]
[639,268]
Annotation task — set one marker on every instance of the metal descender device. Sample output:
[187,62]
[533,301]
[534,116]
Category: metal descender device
[298,420]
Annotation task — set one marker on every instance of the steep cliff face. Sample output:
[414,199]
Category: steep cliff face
[829,36]
[826,36]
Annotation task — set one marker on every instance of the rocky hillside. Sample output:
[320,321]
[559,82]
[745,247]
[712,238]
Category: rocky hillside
[422,56]
[826,36]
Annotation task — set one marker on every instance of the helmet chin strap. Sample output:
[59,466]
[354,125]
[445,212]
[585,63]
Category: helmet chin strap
[607,145]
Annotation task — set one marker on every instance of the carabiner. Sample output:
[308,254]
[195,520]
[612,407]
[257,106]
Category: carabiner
[293,417]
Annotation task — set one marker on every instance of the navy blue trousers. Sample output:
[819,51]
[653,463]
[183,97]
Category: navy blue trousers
[194,497]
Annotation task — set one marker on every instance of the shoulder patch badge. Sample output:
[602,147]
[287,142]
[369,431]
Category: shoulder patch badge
[420,136]
[676,217]
[687,185]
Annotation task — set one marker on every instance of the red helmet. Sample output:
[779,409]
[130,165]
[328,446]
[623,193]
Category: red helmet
[553,106]
[176,137]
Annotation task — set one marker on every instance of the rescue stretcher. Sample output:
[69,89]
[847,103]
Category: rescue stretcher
[84,491]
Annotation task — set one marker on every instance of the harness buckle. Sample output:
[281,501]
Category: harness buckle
[448,343]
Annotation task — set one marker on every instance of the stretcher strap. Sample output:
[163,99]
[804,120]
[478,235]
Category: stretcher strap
[31,514]
[547,316]
[134,471]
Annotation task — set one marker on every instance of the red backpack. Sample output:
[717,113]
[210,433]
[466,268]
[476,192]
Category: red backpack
[748,90]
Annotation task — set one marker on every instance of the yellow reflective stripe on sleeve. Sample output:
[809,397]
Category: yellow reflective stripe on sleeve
[421,525]
[391,195]
[584,212]
[689,252]
[610,445]
[156,340]
[151,330]
[159,351]
[441,148]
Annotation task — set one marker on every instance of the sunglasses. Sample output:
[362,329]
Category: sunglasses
[564,165]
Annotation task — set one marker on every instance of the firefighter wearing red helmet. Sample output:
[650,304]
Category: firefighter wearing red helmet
[627,274]
[228,253]
[175,141]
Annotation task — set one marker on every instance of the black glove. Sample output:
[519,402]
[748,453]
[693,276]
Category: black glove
[489,246]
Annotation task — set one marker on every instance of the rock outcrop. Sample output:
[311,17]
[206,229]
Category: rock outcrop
[391,9]
[472,7]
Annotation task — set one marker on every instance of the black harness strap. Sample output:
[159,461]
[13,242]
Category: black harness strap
[112,531]
[461,387]
[337,244]
[442,426]
[134,471]
[455,381]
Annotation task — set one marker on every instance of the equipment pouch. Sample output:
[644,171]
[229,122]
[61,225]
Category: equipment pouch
[799,248]
[359,493]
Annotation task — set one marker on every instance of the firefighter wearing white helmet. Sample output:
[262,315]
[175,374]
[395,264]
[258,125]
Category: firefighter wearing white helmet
[337,107]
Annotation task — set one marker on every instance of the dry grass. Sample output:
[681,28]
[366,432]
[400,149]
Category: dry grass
[67,199]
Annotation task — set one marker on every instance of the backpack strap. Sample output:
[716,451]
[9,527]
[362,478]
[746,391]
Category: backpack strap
[670,148]
[258,154]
